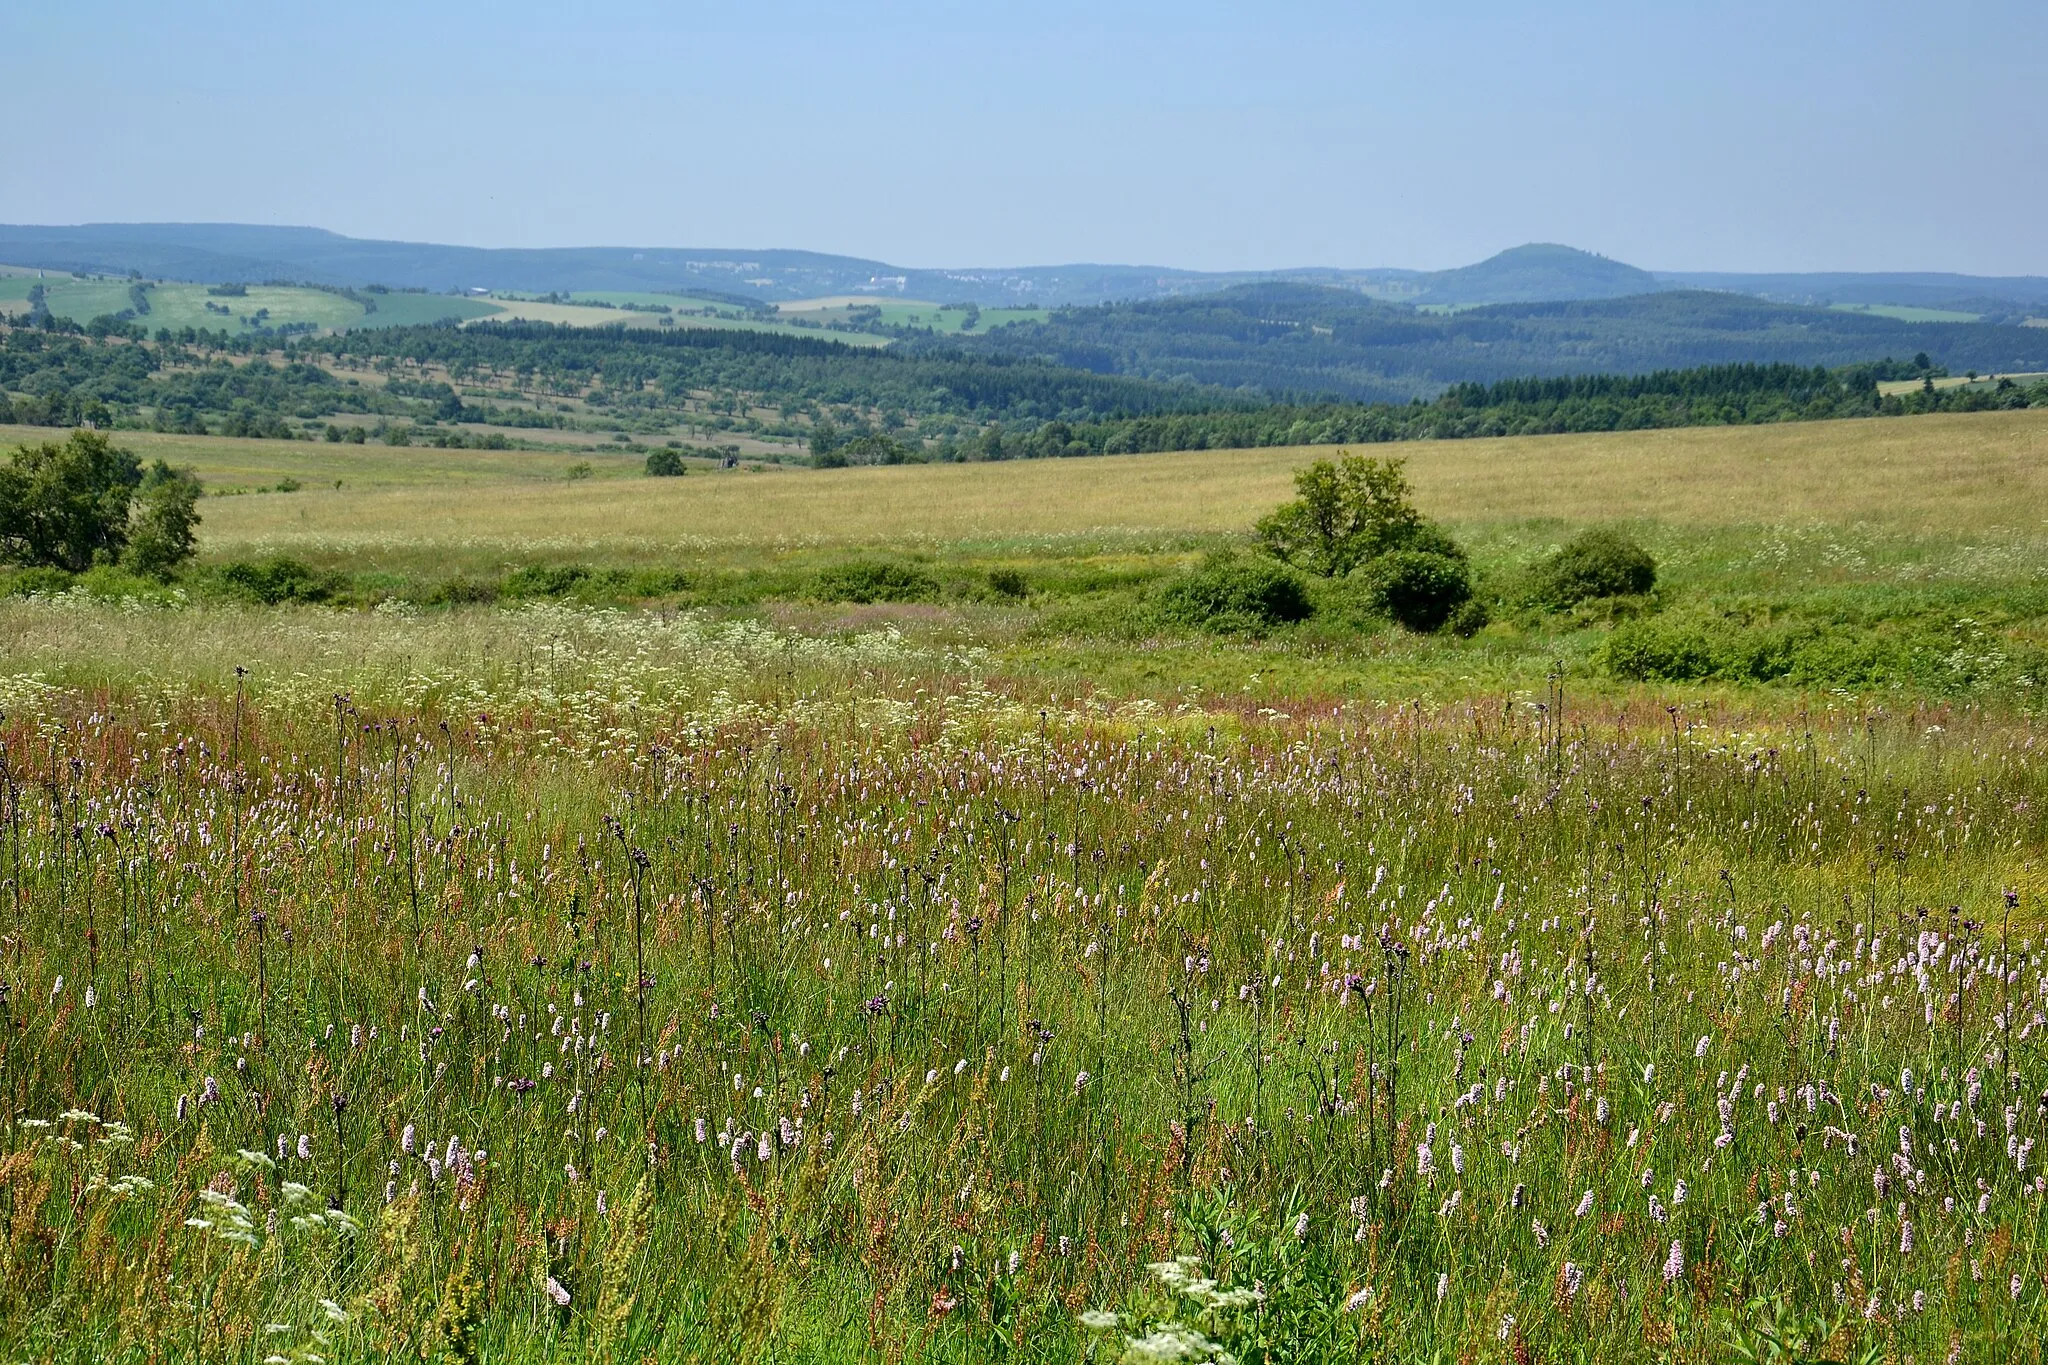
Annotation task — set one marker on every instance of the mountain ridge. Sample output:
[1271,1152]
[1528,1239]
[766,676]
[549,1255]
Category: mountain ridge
[226,253]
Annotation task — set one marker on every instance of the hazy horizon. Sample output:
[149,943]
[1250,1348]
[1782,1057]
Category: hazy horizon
[1198,137]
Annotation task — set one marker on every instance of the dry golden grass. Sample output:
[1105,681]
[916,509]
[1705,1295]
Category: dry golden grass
[586,315]
[1945,473]
[1892,387]
[1967,472]
[226,462]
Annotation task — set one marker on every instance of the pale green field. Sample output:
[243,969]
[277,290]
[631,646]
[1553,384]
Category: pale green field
[186,305]
[1941,473]
[1906,312]
[513,309]
[620,297]
[1935,475]
[226,462]
[1890,387]
[409,310]
[908,312]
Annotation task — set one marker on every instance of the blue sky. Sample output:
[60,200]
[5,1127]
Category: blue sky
[1798,135]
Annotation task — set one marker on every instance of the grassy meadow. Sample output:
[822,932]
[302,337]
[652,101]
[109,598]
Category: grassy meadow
[590,310]
[1907,312]
[476,913]
[908,313]
[178,306]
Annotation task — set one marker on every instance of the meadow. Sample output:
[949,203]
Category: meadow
[1907,313]
[893,312]
[708,974]
[178,306]
[1959,381]
[607,309]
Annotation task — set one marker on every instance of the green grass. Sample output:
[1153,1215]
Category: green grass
[1885,558]
[620,297]
[910,313]
[1141,1006]
[409,310]
[809,979]
[587,315]
[1906,312]
[178,306]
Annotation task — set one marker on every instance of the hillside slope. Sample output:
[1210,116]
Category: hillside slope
[1537,273]
[1304,340]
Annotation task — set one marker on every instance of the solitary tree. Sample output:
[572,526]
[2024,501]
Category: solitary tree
[1345,515]
[75,504]
[66,506]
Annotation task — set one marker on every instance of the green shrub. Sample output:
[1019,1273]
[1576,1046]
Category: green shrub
[665,464]
[1469,619]
[162,529]
[115,583]
[1009,583]
[655,583]
[44,581]
[462,590]
[1429,537]
[1660,651]
[875,580]
[274,580]
[1594,564]
[1235,595]
[1417,588]
[545,580]
[1951,657]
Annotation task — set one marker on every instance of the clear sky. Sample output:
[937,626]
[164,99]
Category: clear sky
[1735,135]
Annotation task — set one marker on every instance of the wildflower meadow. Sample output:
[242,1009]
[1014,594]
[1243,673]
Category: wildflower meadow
[660,990]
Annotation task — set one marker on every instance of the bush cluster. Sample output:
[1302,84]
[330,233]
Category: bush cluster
[1699,647]
[1595,564]
[1235,595]
[875,580]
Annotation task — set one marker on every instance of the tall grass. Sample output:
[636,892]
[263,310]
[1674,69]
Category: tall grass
[662,989]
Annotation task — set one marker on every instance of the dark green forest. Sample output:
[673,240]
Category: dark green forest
[444,384]
[1301,342]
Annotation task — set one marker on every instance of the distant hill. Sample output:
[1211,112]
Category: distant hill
[2018,295]
[229,253]
[1304,341]
[1538,273]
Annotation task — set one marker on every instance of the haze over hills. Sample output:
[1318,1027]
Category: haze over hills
[1305,341]
[219,253]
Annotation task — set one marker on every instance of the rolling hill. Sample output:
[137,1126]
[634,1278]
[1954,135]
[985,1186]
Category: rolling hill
[218,253]
[1537,273]
[1304,340]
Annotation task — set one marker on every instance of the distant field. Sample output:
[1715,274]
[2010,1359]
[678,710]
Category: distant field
[226,462]
[618,298]
[191,305]
[1938,474]
[908,312]
[513,309]
[409,310]
[1906,313]
[1959,381]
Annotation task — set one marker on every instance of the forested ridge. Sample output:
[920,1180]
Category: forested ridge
[850,404]
[1300,343]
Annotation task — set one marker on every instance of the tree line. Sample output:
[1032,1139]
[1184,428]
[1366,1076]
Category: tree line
[862,405]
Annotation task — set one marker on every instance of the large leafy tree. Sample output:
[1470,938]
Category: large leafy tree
[70,505]
[1344,515]
[65,505]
